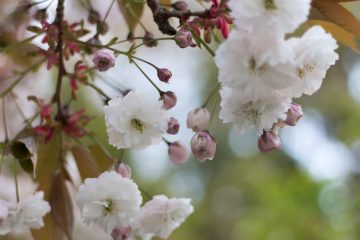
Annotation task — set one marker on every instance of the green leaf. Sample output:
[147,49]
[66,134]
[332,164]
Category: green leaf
[131,11]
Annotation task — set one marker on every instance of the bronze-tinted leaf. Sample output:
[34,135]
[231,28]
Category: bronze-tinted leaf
[61,206]
[87,166]
[132,12]
[103,160]
[339,15]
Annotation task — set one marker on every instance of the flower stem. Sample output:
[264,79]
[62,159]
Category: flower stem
[16,182]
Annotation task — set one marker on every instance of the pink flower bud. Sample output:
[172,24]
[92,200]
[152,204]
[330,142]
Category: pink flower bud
[269,141]
[164,74]
[203,146]
[149,40]
[183,39]
[123,169]
[173,126]
[294,114]
[180,6]
[103,60]
[178,153]
[4,211]
[121,233]
[169,98]
[198,119]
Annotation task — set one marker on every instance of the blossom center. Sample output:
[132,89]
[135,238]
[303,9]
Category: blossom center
[255,69]
[108,207]
[138,125]
[306,69]
[251,113]
[270,5]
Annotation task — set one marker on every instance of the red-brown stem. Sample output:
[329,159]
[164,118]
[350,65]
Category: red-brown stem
[59,22]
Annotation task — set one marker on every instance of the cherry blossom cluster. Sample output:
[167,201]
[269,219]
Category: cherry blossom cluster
[120,213]
[261,71]
[27,213]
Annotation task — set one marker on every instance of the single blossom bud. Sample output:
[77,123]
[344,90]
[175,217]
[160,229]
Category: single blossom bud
[198,119]
[294,114]
[203,146]
[102,28]
[173,126]
[178,153]
[121,233]
[180,6]
[4,211]
[123,169]
[169,98]
[269,141]
[183,39]
[41,15]
[149,40]
[94,17]
[103,60]
[164,74]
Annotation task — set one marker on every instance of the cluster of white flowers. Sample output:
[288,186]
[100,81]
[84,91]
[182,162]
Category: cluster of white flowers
[27,213]
[135,121]
[261,71]
[114,203]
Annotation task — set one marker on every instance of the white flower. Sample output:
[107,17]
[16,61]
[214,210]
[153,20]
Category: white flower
[268,17]
[246,111]
[161,216]
[314,54]
[256,69]
[109,201]
[28,213]
[4,210]
[135,121]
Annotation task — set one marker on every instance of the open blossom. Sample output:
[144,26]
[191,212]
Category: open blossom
[109,201]
[161,216]
[256,69]
[314,54]
[247,112]
[27,213]
[4,210]
[269,16]
[135,121]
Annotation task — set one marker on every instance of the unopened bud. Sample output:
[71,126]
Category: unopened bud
[180,6]
[183,39]
[169,99]
[294,114]
[123,169]
[164,74]
[149,40]
[103,60]
[4,211]
[269,141]
[41,15]
[203,146]
[121,233]
[173,126]
[102,28]
[198,119]
[178,153]
[94,17]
